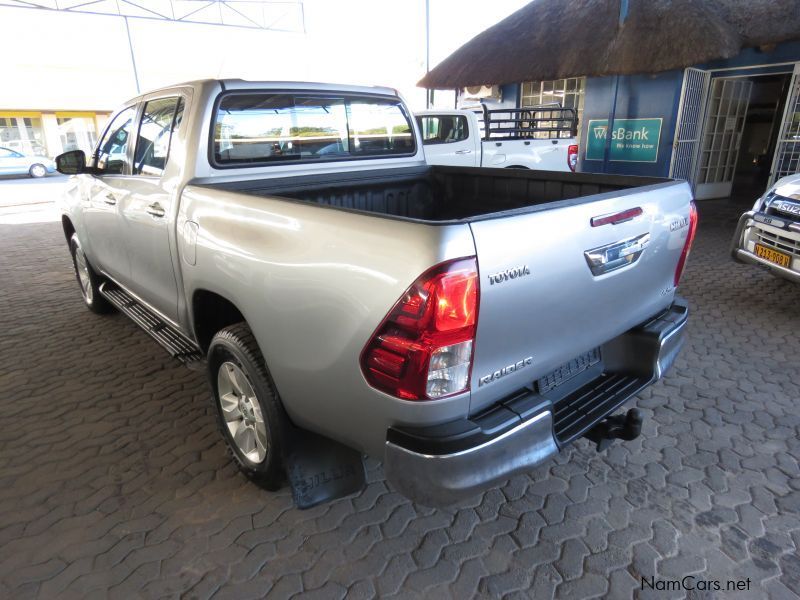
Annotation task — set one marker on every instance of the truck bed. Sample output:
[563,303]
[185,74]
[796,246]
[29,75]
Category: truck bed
[438,194]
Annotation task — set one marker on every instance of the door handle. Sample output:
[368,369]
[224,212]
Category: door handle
[155,210]
[110,199]
[463,151]
[616,255]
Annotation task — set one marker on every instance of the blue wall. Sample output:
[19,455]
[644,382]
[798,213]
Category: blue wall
[639,96]
[786,52]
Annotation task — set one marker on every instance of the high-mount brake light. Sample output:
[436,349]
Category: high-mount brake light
[423,348]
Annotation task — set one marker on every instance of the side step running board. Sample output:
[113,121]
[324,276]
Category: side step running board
[176,344]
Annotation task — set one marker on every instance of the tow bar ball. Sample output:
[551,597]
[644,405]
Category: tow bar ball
[624,427]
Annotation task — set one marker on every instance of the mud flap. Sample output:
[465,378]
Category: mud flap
[321,470]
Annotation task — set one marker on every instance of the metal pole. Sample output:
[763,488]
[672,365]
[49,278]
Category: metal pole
[133,57]
[428,93]
[623,15]
[610,128]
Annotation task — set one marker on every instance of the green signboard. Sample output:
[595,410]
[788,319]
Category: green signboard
[632,140]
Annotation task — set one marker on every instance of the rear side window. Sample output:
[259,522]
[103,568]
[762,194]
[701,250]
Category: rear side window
[265,127]
[159,121]
[443,129]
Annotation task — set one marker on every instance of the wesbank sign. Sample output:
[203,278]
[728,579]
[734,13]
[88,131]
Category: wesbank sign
[632,140]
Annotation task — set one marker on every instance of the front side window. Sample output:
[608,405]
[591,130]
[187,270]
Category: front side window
[443,129]
[160,119]
[112,154]
[269,127]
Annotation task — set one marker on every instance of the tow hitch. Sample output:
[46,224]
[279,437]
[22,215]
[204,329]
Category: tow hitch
[624,427]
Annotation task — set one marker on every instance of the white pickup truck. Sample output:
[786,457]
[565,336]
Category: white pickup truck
[543,139]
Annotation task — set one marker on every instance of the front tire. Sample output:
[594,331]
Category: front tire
[88,280]
[249,412]
[37,171]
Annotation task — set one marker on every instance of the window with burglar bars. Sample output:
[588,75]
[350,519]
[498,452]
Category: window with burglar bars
[567,93]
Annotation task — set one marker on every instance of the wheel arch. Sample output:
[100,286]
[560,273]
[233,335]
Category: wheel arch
[212,312]
[69,228]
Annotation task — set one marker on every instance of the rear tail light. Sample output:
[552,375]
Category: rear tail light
[687,246]
[572,157]
[423,348]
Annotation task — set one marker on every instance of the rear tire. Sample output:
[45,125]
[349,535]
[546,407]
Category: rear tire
[249,411]
[37,171]
[88,280]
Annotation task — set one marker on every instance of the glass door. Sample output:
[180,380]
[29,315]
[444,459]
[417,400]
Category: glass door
[722,136]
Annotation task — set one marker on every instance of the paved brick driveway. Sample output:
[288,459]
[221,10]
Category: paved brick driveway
[113,480]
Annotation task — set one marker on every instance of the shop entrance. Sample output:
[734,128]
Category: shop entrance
[740,134]
[760,134]
[739,146]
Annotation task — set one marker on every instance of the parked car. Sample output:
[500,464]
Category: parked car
[29,147]
[532,138]
[16,163]
[769,234]
[459,324]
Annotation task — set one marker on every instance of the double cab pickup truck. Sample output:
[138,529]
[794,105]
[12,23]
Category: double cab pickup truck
[769,234]
[541,138]
[346,298]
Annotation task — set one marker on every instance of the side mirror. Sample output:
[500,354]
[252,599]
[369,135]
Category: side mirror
[71,163]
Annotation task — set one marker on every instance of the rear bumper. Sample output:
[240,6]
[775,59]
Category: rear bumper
[443,464]
[742,241]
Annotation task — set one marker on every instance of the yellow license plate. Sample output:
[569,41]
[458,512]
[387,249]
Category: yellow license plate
[779,258]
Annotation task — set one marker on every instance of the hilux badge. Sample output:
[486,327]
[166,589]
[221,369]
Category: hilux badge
[679,224]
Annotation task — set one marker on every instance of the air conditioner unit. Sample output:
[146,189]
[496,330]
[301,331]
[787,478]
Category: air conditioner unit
[477,92]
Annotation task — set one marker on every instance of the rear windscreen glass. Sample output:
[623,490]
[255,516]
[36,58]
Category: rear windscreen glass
[264,127]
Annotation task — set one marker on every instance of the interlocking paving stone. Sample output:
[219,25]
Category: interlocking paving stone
[114,482]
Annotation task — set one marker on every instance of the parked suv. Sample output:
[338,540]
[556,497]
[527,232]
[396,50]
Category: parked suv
[769,234]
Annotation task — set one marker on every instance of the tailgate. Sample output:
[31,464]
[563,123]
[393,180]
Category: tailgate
[540,303]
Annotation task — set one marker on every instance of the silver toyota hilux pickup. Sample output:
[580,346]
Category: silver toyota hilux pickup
[459,324]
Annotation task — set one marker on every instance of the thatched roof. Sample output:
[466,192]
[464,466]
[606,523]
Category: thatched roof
[551,39]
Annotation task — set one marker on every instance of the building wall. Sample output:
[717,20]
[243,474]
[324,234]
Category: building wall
[638,97]
[49,133]
[652,96]
[782,53]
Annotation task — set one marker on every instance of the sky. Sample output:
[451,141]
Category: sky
[79,61]
[385,43]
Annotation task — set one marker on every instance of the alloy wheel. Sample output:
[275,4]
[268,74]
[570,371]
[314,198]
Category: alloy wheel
[242,412]
[83,275]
